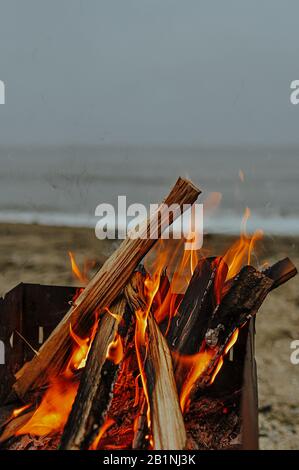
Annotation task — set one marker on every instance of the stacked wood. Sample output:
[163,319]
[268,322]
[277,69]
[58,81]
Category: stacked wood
[94,396]
[215,328]
[103,289]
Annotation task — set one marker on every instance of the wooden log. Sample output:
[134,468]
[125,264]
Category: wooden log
[240,304]
[168,429]
[189,326]
[96,385]
[94,395]
[11,428]
[102,290]
[281,272]
[139,440]
[166,421]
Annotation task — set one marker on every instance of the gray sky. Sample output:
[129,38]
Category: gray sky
[172,71]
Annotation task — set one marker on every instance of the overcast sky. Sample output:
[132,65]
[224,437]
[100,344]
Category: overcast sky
[149,71]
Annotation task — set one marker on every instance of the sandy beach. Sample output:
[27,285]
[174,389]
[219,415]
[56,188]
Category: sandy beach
[39,254]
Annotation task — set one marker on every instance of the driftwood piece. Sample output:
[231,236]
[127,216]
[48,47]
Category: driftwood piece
[103,289]
[168,429]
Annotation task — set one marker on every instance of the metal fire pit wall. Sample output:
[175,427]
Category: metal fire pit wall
[34,310]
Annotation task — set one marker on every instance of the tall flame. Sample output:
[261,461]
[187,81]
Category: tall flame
[76,270]
[56,404]
[240,253]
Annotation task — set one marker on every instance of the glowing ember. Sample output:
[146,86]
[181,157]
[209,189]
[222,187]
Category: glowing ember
[18,411]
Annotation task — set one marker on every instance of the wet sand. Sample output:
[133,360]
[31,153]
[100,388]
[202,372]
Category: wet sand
[39,254]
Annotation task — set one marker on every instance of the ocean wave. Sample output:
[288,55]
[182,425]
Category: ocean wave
[225,223]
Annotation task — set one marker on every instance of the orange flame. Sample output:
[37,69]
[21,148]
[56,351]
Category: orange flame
[228,347]
[115,352]
[53,411]
[18,411]
[82,275]
[241,251]
[108,423]
[232,341]
[56,404]
[76,270]
[196,364]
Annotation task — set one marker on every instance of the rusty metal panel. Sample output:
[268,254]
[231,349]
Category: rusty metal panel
[250,427]
[33,310]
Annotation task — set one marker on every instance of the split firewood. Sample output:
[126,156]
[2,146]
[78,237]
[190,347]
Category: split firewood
[95,392]
[14,425]
[103,289]
[96,385]
[166,421]
[189,325]
[167,424]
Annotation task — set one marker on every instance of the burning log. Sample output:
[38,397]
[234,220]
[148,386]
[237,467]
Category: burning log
[96,386]
[202,326]
[165,414]
[102,290]
[281,272]
[94,396]
[141,427]
[189,326]
[243,300]
[13,425]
